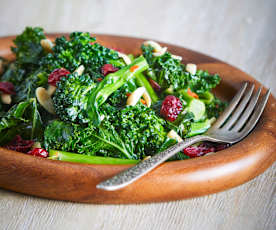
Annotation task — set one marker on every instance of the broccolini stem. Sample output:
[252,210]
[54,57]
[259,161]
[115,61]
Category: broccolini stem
[141,80]
[85,159]
[111,83]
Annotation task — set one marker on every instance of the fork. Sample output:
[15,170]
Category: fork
[234,124]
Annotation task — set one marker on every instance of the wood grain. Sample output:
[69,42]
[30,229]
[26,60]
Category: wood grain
[239,32]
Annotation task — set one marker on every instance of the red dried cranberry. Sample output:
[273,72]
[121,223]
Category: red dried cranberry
[20,145]
[56,75]
[171,107]
[39,152]
[154,85]
[200,150]
[7,87]
[108,68]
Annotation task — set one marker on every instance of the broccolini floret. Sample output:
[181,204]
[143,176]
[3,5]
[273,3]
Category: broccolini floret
[168,71]
[80,49]
[71,96]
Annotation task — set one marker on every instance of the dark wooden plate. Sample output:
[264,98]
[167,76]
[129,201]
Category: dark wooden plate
[170,181]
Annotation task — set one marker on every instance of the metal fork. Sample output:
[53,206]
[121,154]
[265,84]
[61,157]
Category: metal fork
[234,124]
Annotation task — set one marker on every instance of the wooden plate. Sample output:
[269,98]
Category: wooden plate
[170,181]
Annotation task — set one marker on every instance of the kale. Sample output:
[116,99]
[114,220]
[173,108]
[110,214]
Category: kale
[71,97]
[80,49]
[26,89]
[202,81]
[28,50]
[215,108]
[88,140]
[132,132]
[168,71]
[22,119]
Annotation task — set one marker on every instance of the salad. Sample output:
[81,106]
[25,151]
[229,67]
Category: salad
[76,100]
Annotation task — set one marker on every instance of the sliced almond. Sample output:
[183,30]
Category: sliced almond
[173,135]
[177,57]
[191,68]
[146,157]
[160,52]
[125,58]
[135,96]
[79,70]
[6,98]
[45,100]
[147,98]
[156,47]
[51,90]
[47,45]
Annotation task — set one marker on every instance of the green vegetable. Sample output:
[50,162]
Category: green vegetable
[207,97]
[142,81]
[28,50]
[23,119]
[110,84]
[197,107]
[71,97]
[84,159]
[80,49]
[103,140]
[199,127]
[168,71]
[215,108]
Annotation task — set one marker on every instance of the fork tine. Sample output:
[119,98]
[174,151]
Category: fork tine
[255,116]
[222,118]
[247,111]
[240,108]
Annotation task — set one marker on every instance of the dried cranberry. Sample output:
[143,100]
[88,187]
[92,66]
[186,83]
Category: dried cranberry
[108,68]
[154,85]
[56,75]
[7,87]
[39,152]
[20,145]
[171,107]
[200,150]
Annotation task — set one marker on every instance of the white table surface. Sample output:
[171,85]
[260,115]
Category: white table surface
[242,33]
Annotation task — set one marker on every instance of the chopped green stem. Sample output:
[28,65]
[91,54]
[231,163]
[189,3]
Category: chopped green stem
[111,83]
[141,80]
[85,159]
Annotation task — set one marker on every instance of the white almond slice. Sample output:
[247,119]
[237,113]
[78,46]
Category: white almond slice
[161,52]
[125,58]
[47,45]
[51,90]
[191,68]
[79,70]
[147,157]
[135,96]
[177,57]
[156,47]
[45,100]
[147,98]
[173,135]
[6,98]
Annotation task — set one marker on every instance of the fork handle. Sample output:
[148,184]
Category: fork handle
[130,175]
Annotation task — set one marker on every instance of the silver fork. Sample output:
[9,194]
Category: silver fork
[235,123]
